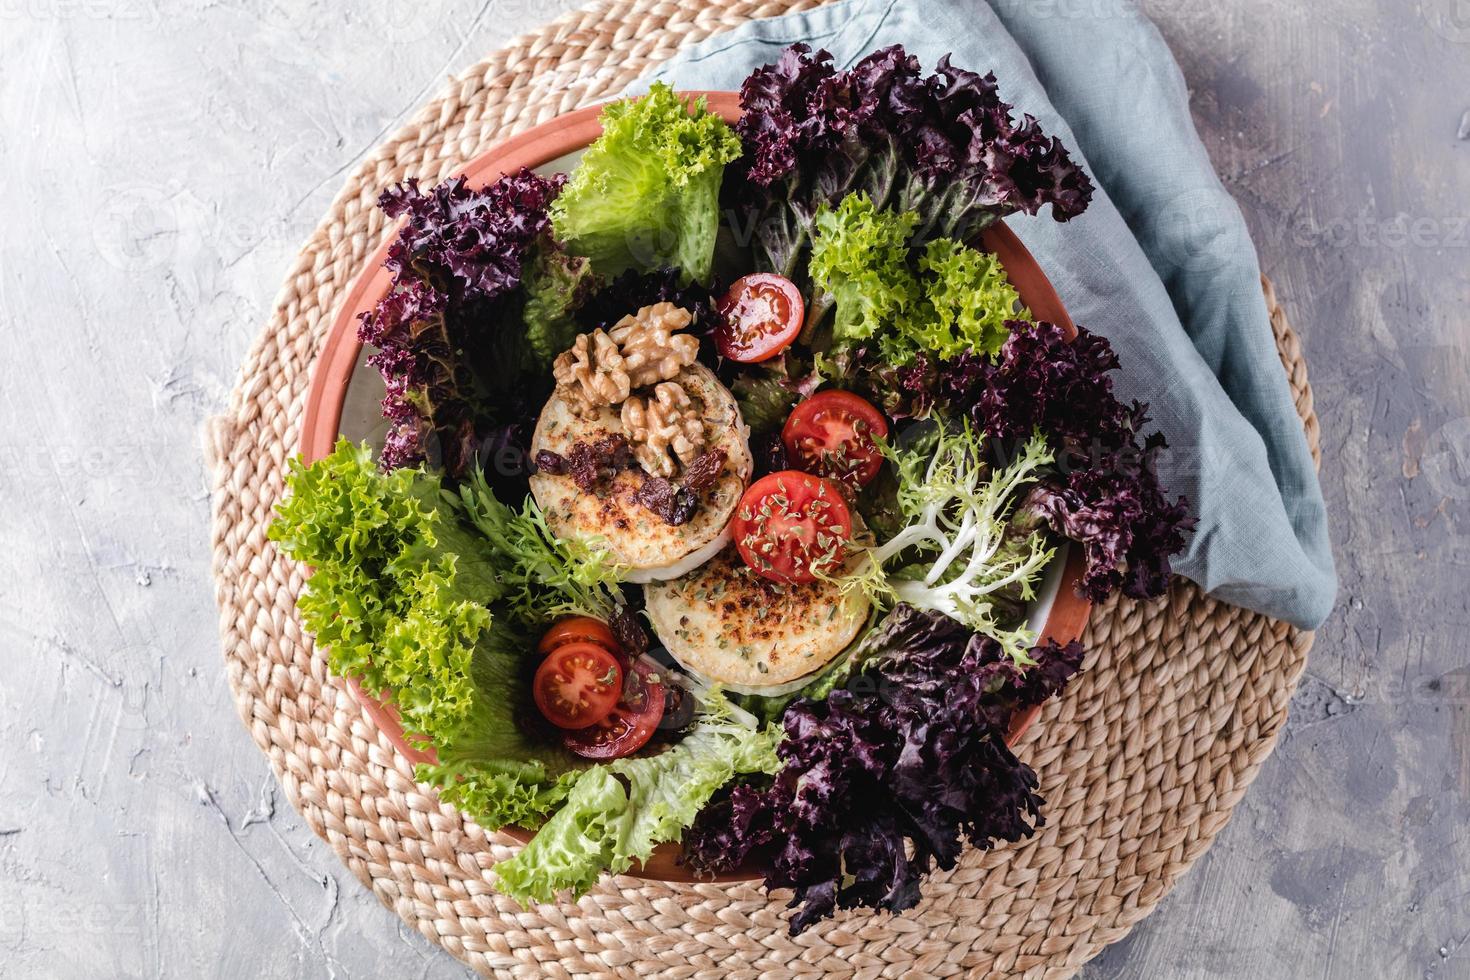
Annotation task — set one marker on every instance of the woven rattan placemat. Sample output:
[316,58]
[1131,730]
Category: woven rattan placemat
[1141,763]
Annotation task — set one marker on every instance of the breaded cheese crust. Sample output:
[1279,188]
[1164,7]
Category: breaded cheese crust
[729,625]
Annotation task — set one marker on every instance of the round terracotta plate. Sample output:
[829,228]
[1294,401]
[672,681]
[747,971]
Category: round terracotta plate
[344,397]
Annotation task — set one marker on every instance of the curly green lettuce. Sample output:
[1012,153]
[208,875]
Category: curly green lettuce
[399,588]
[616,814]
[970,300]
[492,765]
[896,302]
[646,193]
[425,597]
[400,595]
[860,262]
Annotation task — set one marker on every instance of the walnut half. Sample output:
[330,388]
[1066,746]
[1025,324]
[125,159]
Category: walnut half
[669,422]
[592,373]
[652,351]
[641,349]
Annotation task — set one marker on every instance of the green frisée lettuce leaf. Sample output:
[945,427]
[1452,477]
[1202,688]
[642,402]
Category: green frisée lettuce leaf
[954,555]
[896,303]
[646,193]
[616,814]
[542,576]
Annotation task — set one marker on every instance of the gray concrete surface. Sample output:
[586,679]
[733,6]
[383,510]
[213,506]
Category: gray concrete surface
[160,161]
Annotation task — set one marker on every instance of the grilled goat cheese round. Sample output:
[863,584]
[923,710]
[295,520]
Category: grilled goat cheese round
[649,548]
[729,625]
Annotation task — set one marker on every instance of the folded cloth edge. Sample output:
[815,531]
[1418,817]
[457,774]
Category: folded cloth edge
[1251,478]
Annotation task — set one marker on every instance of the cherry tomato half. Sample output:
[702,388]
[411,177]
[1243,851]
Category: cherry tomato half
[631,723]
[762,316]
[790,522]
[578,629]
[832,434]
[577,685]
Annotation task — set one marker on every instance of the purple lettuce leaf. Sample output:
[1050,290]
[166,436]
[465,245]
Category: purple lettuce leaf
[448,331]
[1114,507]
[1104,492]
[470,243]
[794,109]
[892,774]
[943,146]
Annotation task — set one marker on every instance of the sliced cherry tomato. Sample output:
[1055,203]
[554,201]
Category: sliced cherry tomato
[579,629]
[577,685]
[762,316]
[631,723]
[832,434]
[790,522]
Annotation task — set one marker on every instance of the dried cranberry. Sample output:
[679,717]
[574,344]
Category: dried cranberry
[590,464]
[629,632]
[673,504]
[550,462]
[705,470]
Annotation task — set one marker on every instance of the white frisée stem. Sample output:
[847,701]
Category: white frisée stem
[963,538]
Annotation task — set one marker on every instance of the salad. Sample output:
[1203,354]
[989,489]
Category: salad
[719,475]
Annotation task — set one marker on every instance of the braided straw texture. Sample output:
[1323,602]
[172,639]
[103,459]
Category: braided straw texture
[1141,763]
